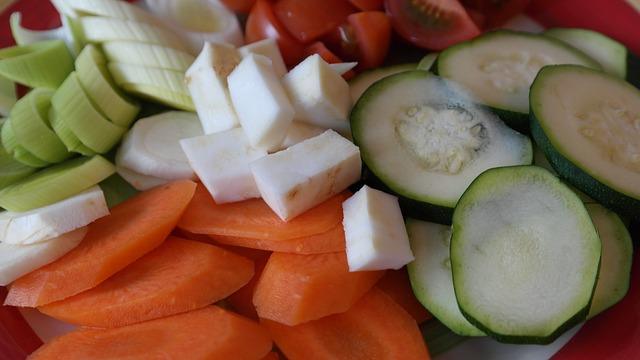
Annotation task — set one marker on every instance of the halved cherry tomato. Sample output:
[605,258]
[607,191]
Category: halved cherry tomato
[241,6]
[307,20]
[368,5]
[497,12]
[372,31]
[431,24]
[262,23]
[319,48]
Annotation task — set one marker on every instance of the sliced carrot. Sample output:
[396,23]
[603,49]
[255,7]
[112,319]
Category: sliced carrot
[327,242]
[254,219]
[272,356]
[397,285]
[374,328]
[242,300]
[191,236]
[179,276]
[294,289]
[208,333]
[133,228]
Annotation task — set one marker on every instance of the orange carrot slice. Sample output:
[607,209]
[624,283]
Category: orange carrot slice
[179,276]
[133,228]
[208,333]
[397,285]
[242,300]
[272,356]
[374,328]
[327,242]
[254,219]
[294,289]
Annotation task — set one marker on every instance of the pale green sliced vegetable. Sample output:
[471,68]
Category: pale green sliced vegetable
[74,107]
[110,8]
[91,67]
[11,170]
[135,53]
[24,36]
[67,136]
[9,142]
[13,148]
[8,96]
[427,61]
[30,125]
[44,64]
[27,158]
[75,34]
[180,101]
[102,29]
[55,183]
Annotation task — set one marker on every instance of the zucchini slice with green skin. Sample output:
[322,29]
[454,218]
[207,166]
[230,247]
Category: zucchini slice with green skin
[610,54]
[524,255]
[430,275]
[615,264]
[425,139]
[587,123]
[499,67]
[359,84]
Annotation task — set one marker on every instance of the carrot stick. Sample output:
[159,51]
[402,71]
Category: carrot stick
[397,285]
[133,228]
[242,300]
[179,276]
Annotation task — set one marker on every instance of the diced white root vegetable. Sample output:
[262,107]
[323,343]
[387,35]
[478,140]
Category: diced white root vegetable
[298,132]
[51,221]
[221,161]
[139,181]
[320,96]
[293,181]
[207,83]
[269,48]
[19,260]
[152,146]
[343,68]
[260,102]
[376,238]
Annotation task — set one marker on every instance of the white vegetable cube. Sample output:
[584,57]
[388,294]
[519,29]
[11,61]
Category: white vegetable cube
[222,163]
[319,95]
[298,132]
[53,220]
[261,102]
[376,237]
[207,83]
[293,181]
[269,48]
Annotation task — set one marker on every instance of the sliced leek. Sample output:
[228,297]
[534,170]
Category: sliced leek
[8,96]
[136,53]
[102,29]
[9,142]
[31,65]
[24,156]
[180,101]
[55,183]
[74,107]
[24,36]
[11,170]
[19,153]
[67,136]
[91,67]
[30,125]
[109,8]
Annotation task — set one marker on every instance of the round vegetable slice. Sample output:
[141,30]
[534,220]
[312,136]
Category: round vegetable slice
[11,145]
[524,255]
[67,136]
[11,170]
[44,64]
[55,183]
[135,53]
[359,84]
[587,123]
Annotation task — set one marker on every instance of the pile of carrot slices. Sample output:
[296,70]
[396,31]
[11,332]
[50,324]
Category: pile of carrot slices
[171,274]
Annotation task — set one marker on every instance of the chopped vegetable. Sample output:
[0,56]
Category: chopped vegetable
[307,20]
[134,228]
[372,31]
[299,132]
[178,276]
[24,36]
[116,190]
[427,62]
[31,65]
[12,170]
[359,84]
[242,300]
[295,289]
[150,55]
[209,333]
[268,48]
[396,284]
[139,181]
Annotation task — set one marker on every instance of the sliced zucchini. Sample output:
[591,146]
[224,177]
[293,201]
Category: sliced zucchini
[610,54]
[499,67]
[430,275]
[587,123]
[524,255]
[428,61]
[425,139]
[360,83]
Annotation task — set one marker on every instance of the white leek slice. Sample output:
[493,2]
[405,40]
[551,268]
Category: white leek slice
[19,260]
[8,96]
[293,181]
[199,21]
[91,67]
[41,224]
[55,183]
[152,147]
[109,8]
[102,29]
[269,48]
[43,64]
[343,68]
[136,53]
[221,161]
[161,85]
[260,101]
[139,181]
[299,132]
[207,83]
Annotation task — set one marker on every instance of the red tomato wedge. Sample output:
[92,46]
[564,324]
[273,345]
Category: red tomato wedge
[372,31]
[431,24]
[262,23]
[308,20]
[368,5]
[241,6]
